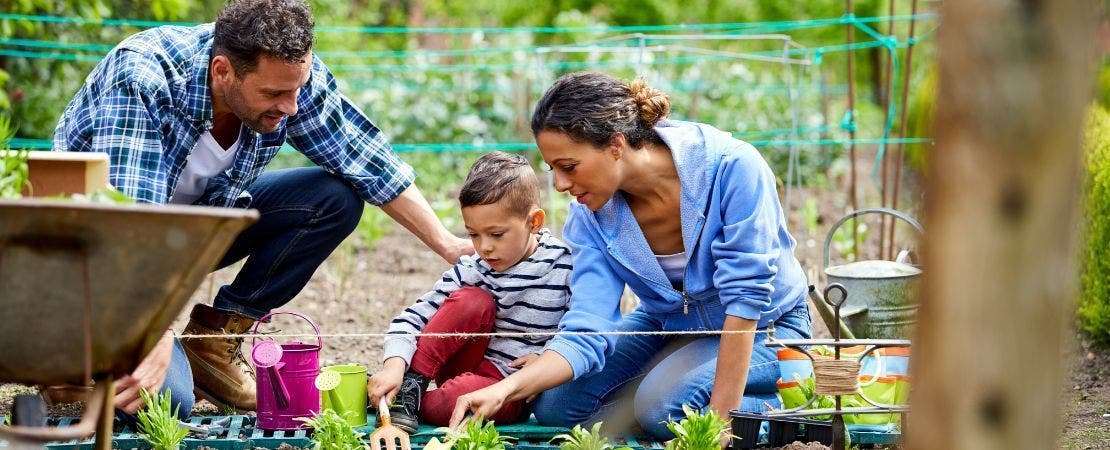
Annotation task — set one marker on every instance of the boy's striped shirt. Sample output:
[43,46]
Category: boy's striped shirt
[531,296]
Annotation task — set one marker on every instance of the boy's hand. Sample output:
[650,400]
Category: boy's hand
[387,382]
[524,360]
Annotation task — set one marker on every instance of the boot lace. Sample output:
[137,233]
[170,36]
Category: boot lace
[409,399]
[237,357]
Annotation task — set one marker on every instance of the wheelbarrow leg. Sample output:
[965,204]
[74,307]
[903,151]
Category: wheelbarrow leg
[107,416]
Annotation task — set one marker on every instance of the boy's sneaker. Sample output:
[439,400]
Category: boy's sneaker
[406,407]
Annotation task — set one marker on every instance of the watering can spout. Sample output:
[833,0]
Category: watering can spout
[827,313]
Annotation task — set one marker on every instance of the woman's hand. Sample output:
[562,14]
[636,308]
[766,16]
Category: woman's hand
[733,361]
[539,374]
[386,382]
[484,402]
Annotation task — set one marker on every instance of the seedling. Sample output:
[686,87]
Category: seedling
[479,435]
[158,422]
[698,431]
[580,439]
[330,431]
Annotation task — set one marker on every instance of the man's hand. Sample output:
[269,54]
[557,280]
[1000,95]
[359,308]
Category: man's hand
[387,382]
[455,248]
[411,210]
[149,375]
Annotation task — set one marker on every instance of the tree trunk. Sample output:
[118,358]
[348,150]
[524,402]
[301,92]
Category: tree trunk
[1001,208]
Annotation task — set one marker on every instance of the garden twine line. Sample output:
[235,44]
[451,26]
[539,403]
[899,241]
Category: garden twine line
[475,335]
[836,376]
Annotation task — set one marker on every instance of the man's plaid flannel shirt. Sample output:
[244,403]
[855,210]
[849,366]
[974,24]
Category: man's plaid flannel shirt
[148,102]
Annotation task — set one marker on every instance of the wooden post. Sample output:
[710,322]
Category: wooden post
[1001,210]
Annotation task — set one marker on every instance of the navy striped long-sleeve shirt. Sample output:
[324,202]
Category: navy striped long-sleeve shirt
[531,296]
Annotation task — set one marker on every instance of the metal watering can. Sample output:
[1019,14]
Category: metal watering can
[882,302]
[285,377]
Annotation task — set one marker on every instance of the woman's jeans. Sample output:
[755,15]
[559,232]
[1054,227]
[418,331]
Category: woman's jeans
[658,374]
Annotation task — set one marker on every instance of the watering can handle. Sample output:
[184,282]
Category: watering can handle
[254,329]
[860,212]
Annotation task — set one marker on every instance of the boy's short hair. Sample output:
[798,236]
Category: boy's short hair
[498,175]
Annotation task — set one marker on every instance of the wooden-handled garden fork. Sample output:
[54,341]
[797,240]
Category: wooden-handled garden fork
[388,436]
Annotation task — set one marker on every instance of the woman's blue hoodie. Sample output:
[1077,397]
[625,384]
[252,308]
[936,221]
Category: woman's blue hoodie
[737,248]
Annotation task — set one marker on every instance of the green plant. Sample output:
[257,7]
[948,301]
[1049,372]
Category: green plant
[580,439]
[843,242]
[108,195]
[698,431]
[13,163]
[479,435]
[332,432]
[1094,299]
[13,173]
[811,216]
[158,422]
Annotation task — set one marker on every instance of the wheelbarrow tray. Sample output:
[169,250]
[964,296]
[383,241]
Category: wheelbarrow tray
[86,289]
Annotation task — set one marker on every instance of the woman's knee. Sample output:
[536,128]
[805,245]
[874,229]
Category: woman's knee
[654,410]
[553,409]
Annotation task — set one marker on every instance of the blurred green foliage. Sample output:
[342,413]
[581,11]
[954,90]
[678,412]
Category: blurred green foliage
[1094,298]
[478,87]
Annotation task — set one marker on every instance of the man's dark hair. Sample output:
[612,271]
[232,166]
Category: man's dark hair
[498,175]
[280,29]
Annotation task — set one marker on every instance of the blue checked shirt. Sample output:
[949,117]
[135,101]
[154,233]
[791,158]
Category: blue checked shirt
[148,102]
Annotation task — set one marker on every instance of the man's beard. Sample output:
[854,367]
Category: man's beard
[238,107]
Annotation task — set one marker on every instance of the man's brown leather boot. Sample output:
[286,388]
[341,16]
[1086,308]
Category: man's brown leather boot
[221,373]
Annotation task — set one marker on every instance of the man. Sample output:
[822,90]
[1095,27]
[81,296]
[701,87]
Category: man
[191,115]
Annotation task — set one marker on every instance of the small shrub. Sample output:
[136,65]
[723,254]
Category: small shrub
[479,435]
[580,439]
[330,431]
[1094,299]
[158,422]
[698,431]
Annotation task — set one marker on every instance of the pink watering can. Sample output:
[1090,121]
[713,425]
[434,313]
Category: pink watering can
[284,377]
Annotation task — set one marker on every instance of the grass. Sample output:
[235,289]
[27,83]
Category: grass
[158,422]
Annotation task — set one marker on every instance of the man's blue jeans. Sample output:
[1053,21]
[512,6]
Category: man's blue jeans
[305,213]
[658,374]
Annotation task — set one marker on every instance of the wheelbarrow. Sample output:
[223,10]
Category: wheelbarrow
[88,289]
[882,302]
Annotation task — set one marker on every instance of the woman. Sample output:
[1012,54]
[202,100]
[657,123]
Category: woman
[688,218]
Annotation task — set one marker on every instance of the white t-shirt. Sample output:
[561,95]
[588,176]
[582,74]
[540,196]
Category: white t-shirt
[207,160]
[673,265]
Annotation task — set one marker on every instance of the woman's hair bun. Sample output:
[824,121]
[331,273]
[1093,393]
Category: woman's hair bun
[654,105]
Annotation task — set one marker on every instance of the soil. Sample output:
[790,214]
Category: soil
[361,287]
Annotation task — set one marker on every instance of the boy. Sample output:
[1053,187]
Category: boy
[517,282]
